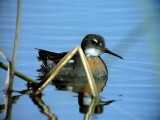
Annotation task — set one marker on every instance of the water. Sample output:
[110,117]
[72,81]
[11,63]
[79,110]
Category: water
[131,30]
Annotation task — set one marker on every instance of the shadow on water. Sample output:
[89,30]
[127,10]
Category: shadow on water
[88,104]
[44,108]
[81,87]
[10,100]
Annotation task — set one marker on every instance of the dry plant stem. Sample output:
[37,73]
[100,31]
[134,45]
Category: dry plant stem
[91,108]
[15,46]
[8,106]
[44,108]
[49,77]
[8,68]
[8,76]
[88,73]
[24,77]
[4,55]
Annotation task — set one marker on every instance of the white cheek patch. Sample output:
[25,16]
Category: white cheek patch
[92,52]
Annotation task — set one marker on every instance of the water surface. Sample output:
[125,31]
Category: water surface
[131,30]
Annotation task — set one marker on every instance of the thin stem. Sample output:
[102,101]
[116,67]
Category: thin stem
[91,108]
[88,73]
[15,47]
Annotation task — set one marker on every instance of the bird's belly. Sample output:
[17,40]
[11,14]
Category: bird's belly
[97,66]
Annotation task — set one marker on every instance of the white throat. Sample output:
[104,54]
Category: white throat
[92,52]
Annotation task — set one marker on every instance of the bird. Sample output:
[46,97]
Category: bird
[93,45]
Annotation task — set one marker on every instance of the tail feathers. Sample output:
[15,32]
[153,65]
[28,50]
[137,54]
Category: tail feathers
[48,61]
[47,55]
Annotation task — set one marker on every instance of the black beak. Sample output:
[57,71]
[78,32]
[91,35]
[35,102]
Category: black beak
[108,51]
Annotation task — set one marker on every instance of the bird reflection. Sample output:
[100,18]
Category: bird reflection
[80,86]
[44,108]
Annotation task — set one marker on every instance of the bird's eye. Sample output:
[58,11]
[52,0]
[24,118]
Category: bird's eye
[95,42]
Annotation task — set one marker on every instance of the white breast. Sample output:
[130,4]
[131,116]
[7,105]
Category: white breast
[92,52]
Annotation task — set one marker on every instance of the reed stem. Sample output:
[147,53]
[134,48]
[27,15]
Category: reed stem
[10,84]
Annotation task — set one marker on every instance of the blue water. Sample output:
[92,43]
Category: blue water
[130,28]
